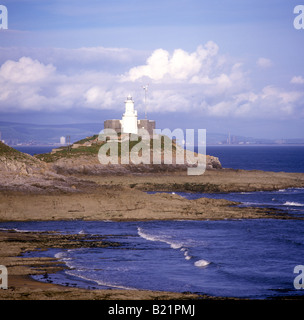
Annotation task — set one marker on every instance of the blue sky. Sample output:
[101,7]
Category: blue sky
[224,65]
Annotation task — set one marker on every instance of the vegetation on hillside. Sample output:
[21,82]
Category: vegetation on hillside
[11,153]
[92,148]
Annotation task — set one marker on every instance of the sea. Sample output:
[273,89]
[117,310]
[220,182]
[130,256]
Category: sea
[244,258]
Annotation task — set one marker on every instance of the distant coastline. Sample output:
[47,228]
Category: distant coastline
[258,145]
[14,134]
[20,146]
[208,145]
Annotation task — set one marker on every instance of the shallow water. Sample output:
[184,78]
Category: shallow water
[241,258]
[288,200]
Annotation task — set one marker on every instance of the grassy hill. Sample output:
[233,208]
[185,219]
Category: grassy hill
[11,153]
[77,149]
[90,146]
[17,163]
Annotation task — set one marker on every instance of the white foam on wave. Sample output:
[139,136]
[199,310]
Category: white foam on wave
[5,229]
[187,255]
[172,244]
[18,230]
[248,203]
[201,263]
[99,282]
[63,256]
[176,245]
[146,236]
[295,204]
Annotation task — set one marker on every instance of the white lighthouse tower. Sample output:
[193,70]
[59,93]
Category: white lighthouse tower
[129,118]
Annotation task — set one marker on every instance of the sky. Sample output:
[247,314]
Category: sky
[224,65]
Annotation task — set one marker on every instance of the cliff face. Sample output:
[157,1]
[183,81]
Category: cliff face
[13,161]
[90,165]
[22,172]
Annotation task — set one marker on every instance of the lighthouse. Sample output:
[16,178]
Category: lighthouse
[129,118]
[129,122]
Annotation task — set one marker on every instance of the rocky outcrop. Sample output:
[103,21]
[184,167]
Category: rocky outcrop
[89,165]
[25,165]
[82,157]
[22,172]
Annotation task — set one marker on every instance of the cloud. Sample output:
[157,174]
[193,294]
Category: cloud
[73,59]
[202,83]
[25,70]
[297,80]
[274,101]
[28,84]
[209,84]
[181,65]
[264,63]
[22,82]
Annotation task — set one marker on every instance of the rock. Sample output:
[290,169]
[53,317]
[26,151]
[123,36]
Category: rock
[22,172]
[89,165]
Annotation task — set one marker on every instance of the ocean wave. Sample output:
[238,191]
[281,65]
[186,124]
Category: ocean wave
[99,282]
[5,229]
[18,230]
[63,256]
[201,263]
[187,255]
[172,244]
[146,236]
[249,203]
[295,204]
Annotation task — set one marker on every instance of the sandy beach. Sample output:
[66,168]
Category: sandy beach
[119,198]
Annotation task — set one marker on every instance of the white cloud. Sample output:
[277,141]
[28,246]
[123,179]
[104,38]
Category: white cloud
[21,84]
[203,83]
[264,63]
[156,68]
[25,70]
[297,80]
[181,65]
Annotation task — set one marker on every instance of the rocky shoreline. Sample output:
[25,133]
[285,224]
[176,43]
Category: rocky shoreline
[21,285]
[31,190]
[124,197]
